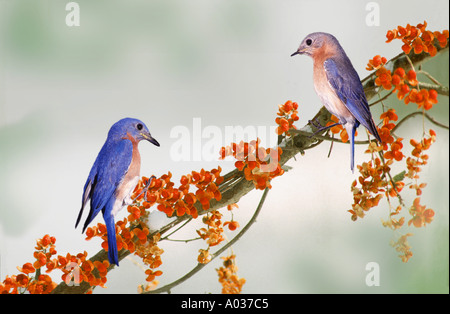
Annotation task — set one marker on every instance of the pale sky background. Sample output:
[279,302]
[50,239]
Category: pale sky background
[228,63]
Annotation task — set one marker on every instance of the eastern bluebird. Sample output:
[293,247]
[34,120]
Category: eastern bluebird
[114,176]
[338,85]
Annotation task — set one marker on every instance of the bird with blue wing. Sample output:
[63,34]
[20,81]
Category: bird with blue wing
[114,176]
[338,85]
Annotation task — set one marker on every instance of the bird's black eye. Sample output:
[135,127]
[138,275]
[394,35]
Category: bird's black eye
[309,42]
[139,126]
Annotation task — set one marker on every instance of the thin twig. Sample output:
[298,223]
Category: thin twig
[429,76]
[167,236]
[382,99]
[182,240]
[426,115]
[199,266]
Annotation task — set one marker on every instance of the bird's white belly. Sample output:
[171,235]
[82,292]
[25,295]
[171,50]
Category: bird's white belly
[333,103]
[329,102]
[124,197]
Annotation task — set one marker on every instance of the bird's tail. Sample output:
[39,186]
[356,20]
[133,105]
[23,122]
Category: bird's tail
[351,129]
[113,255]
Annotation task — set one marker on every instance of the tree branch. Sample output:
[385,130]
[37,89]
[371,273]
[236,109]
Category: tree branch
[440,89]
[327,138]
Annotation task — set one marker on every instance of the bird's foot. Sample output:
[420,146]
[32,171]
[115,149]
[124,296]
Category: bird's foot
[320,127]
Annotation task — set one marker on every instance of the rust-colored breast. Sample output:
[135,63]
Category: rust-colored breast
[131,178]
[325,91]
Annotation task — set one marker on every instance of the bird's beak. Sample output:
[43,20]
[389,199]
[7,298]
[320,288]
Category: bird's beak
[299,51]
[149,138]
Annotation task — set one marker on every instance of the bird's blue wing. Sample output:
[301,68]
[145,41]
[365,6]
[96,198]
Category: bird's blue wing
[347,85]
[88,188]
[86,196]
[111,165]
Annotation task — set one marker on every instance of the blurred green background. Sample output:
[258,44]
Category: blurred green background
[227,62]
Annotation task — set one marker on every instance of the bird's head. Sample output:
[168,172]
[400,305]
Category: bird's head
[315,43]
[134,128]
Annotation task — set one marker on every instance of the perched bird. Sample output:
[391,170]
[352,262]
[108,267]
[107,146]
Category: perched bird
[338,85]
[114,176]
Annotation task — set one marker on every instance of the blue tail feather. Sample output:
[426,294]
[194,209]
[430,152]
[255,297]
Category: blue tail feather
[113,255]
[352,147]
